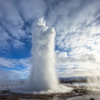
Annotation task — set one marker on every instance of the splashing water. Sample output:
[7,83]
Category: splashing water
[43,74]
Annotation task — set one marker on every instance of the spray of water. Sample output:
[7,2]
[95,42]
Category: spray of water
[43,75]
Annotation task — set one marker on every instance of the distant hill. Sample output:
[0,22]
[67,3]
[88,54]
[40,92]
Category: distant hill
[19,82]
[78,79]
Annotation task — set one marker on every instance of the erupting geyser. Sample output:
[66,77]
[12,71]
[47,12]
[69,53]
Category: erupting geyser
[43,74]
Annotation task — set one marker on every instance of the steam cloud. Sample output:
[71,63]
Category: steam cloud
[43,74]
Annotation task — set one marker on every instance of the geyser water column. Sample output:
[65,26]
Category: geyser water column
[43,75]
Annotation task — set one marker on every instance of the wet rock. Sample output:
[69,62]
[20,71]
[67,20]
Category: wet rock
[91,99]
[4,92]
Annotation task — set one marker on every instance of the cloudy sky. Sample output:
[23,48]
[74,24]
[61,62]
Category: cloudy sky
[77,41]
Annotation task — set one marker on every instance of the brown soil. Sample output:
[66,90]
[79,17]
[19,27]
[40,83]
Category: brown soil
[75,92]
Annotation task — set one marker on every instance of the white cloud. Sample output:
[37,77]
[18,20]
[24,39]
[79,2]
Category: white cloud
[17,44]
[32,9]
[14,63]
[6,62]
[8,75]
[83,65]
[16,18]
[76,23]
[78,35]
[61,54]
[23,67]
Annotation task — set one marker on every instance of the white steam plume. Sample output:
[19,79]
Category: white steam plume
[43,75]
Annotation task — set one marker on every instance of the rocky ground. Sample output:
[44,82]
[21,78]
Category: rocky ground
[77,91]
